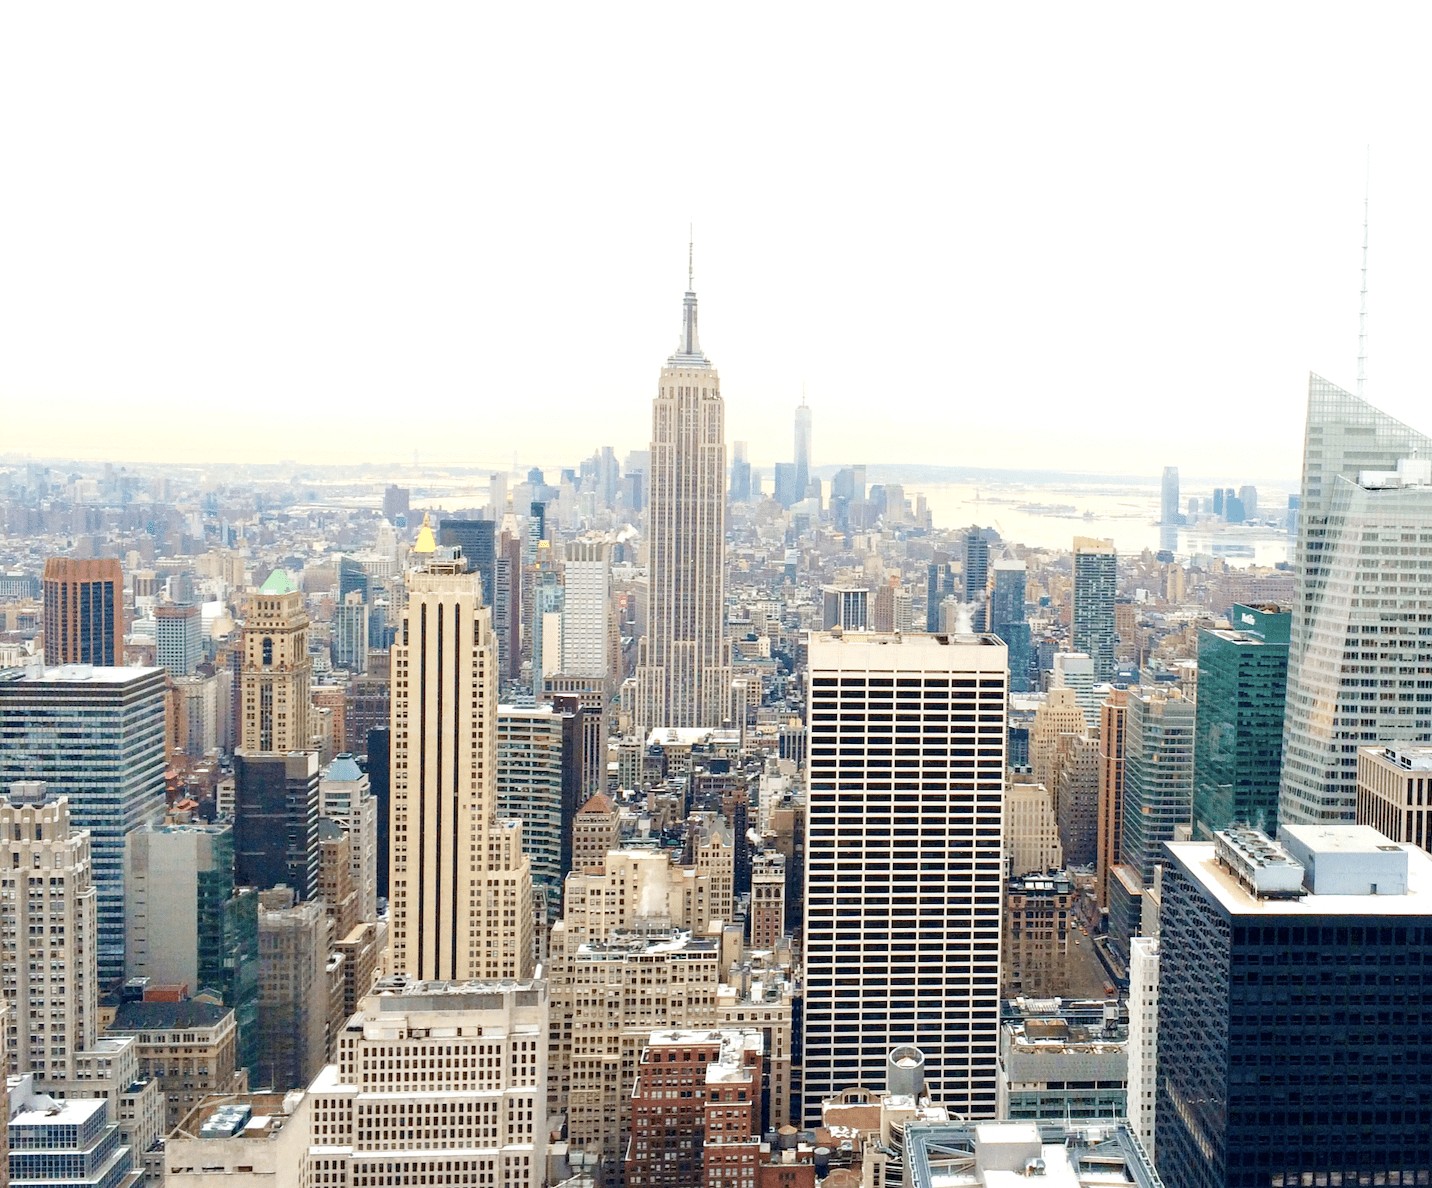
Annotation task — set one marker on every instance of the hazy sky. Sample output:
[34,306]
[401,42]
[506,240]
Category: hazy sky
[1100,237]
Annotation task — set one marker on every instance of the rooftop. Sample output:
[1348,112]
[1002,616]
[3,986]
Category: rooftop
[343,769]
[1408,756]
[1008,1154]
[277,583]
[1199,860]
[168,1016]
[78,674]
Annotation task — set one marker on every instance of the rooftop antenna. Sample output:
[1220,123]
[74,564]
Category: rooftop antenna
[1362,313]
[691,267]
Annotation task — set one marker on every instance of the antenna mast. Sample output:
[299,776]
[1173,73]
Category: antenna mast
[1362,313]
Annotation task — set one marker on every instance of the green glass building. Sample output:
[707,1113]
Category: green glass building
[1238,733]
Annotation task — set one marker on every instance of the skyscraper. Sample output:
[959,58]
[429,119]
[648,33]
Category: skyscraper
[276,821]
[461,887]
[84,611]
[95,735]
[740,473]
[1158,774]
[1238,731]
[350,634]
[48,925]
[1006,618]
[1169,516]
[1096,580]
[277,671]
[976,564]
[903,862]
[530,785]
[587,610]
[684,667]
[1360,649]
[178,638]
[188,924]
[1113,723]
[1168,501]
[1292,1043]
[478,541]
[803,426]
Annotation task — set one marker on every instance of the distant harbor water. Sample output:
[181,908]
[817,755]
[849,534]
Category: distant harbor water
[1051,516]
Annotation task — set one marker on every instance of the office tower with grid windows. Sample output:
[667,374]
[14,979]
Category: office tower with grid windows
[84,611]
[1292,1039]
[1113,721]
[1096,582]
[587,610]
[1361,647]
[95,735]
[178,638]
[1158,775]
[683,675]
[435,1083]
[904,860]
[460,885]
[47,922]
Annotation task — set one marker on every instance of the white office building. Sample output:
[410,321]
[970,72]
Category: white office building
[435,1083]
[587,610]
[904,854]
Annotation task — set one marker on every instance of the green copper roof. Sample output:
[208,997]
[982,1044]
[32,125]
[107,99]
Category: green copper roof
[277,583]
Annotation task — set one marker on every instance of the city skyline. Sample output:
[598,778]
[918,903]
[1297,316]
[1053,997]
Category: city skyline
[322,244]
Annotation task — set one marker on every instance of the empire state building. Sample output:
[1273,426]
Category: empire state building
[683,675]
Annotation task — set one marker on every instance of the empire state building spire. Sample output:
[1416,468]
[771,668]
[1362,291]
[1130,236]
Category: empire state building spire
[684,668]
[688,350]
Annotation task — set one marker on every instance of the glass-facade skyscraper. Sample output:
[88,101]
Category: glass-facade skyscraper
[1158,774]
[478,541]
[1238,732]
[95,735]
[1361,644]
[1007,619]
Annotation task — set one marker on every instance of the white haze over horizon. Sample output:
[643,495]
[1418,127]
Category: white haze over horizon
[1095,240]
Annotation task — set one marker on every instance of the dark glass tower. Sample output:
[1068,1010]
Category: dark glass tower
[478,541]
[1007,619]
[276,821]
[1293,1046]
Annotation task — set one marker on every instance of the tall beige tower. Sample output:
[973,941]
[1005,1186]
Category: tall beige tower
[47,922]
[684,666]
[276,674]
[460,885]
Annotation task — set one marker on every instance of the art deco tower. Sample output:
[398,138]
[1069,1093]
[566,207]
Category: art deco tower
[460,885]
[277,670]
[684,668]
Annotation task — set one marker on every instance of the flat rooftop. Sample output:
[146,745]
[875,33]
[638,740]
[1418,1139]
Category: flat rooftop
[1016,1154]
[70,1111]
[77,674]
[1407,756]
[1222,884]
